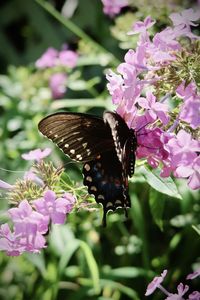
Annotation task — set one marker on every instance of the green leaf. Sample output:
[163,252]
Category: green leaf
[157,204]
[197,229]
[92,265]
[127,272]
[163,185]
[118,286]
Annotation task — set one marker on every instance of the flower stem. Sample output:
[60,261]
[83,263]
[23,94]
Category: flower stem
[76,30]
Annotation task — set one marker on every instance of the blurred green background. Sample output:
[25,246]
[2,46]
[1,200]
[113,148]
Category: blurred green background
[84,260]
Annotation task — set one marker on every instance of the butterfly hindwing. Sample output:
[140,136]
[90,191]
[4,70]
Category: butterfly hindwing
[103,177]
[82,137]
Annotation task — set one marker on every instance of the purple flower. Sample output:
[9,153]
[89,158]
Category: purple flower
[57,83]
[48,59]
[186,18]
[194,274]
[36,154]
[25,215]
[113,7]
[54,209]
[181,292]
[166,40]
[186,91]
[190,112]
[115,86]
[68,58]
[182,148]
[194,296]
[155,283]
[142,26]
[155,109]
[9,242]
[4,185]
[192,172]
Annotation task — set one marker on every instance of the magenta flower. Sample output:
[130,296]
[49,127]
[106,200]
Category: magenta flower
[4,185]
[54,209]
[155,283]
[155,109]
[186,18]
[68,58]
[48,59]
[194,296]
[57,84]
[194,274]
[113,7]
[36,154]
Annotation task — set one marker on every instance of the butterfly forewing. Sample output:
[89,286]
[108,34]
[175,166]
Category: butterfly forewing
[82,137]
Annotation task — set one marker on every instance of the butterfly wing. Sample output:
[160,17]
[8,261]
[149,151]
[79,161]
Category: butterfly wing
[104,179]
[125,142]
[82,137]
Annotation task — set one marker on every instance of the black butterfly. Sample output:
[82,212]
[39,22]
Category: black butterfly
[105,145]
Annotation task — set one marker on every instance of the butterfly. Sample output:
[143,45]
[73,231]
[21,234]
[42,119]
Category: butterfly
[106,147]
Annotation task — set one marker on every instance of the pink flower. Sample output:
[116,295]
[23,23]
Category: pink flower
[186,91]
[115,86]
[113,7]
[68,58]
[194,274]
[48,59]
[57,83]
[186,18]
[181,292]
[194,296]
[182,148]
[36,154]
[151,146]
[142,26]
[155,109]
[4,185]
[192,171]
[153,285]
[166,40]
[190,112]
[54,209]
[24,214]
[9,242]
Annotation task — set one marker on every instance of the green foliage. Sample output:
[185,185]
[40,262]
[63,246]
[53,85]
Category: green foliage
[84,260]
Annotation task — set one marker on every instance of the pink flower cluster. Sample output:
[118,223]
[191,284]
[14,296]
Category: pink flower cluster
[113,7]
[31,222]
[31,219]
[53,58]
[133,90]
[181,289]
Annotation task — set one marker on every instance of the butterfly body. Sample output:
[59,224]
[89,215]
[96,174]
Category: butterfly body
[105,145]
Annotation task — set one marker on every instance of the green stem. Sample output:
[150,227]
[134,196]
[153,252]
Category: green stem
[76,30]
